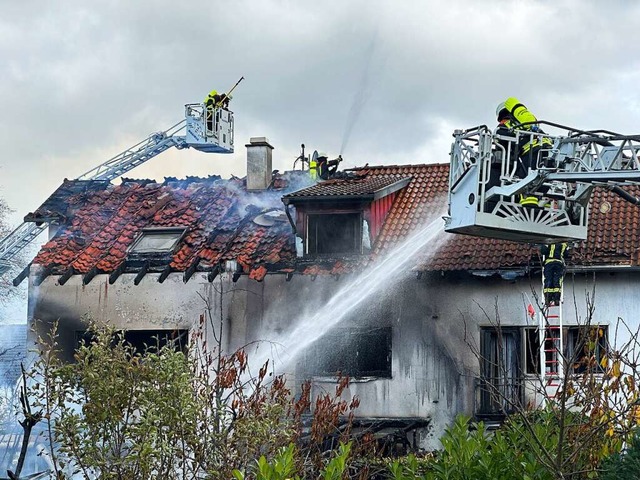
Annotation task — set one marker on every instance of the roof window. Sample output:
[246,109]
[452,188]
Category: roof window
[157,240]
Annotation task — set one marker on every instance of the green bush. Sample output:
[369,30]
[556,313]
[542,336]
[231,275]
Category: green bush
[624,466]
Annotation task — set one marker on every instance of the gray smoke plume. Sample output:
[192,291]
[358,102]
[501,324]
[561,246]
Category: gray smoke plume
[361,96]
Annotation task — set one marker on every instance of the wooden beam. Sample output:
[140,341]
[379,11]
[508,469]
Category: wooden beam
[22,275]
[191,270]
[89,276]
[213,273]
[143,271]
[113,276]
[66,276]
[165,273]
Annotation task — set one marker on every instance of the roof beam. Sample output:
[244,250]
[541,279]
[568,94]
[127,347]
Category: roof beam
[22,275]
[191,270]
[213,273]
[66,276]
[113,276]
[89,276]
[143,271]
[165,273]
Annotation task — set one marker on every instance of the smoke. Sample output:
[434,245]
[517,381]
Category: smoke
[361,96]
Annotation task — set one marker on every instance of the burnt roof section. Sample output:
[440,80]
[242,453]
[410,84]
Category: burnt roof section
[55,208]
[101,226]
[217,215]
[359,187]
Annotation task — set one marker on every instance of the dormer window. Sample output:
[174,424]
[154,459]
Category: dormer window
[342,216]
[157,240]
[334,233]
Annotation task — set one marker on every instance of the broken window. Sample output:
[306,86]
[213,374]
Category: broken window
[162,240]
[334,233]
[360,352]
[146,340]
[500,370]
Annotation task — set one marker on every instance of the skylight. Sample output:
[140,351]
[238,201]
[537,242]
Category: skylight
[157,240]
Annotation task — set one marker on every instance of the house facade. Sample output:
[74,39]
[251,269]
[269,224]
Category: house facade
[324,278]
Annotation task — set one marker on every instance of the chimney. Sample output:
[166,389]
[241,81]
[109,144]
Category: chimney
[258,163]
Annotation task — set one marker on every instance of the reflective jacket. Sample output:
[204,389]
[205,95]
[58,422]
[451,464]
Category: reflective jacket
[556,252]
[211,99]
[520,115]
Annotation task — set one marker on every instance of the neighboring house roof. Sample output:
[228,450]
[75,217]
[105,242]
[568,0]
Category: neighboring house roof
[13,351]
[103,222]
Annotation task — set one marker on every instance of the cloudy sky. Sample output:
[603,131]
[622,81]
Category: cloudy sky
[380,81]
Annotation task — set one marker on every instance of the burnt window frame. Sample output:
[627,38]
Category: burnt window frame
[316,214]
[346,345]
[179,231]
[160,335]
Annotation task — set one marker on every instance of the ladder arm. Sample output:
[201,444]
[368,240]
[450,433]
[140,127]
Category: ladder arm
[17,240]
[134,156]
[138,154]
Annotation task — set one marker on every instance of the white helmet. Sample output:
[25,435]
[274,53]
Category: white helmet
[501,107]
[322,155]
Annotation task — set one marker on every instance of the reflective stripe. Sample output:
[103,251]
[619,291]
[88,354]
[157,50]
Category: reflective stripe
[528,200]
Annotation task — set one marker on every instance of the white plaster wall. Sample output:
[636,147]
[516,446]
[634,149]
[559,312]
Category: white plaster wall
[433,320]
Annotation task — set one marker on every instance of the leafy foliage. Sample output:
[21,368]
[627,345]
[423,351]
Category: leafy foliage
[624,466]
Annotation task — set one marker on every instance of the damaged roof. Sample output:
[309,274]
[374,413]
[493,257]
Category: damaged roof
[100,223]
[359,186]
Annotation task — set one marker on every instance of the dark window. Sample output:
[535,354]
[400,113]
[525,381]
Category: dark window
[532,351]
[500,370]
[354,352]
[154,241]
[334,233]
[584,348]
[148,340]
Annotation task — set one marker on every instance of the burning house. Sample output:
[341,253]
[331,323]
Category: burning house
[331,268]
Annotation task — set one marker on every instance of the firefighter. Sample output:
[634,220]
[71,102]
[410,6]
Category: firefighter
[511,116]
[327,168]
[212,101]
[553,261]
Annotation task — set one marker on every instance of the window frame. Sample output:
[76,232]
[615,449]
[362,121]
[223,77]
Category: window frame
[179,231]
[358,243]
[346,346]
[569,331]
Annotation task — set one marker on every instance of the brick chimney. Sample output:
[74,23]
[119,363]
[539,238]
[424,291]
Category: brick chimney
[258,163]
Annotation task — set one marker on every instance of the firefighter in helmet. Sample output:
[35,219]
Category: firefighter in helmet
[553,269]
[532,148]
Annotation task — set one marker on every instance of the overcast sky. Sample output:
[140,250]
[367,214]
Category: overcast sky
[382,82]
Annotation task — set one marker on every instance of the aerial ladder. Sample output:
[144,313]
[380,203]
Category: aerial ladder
[205,128]
[484,189]
[485,193]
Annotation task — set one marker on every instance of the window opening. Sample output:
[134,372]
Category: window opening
[354,352]
[334,233]
[157,240]
[500,370]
